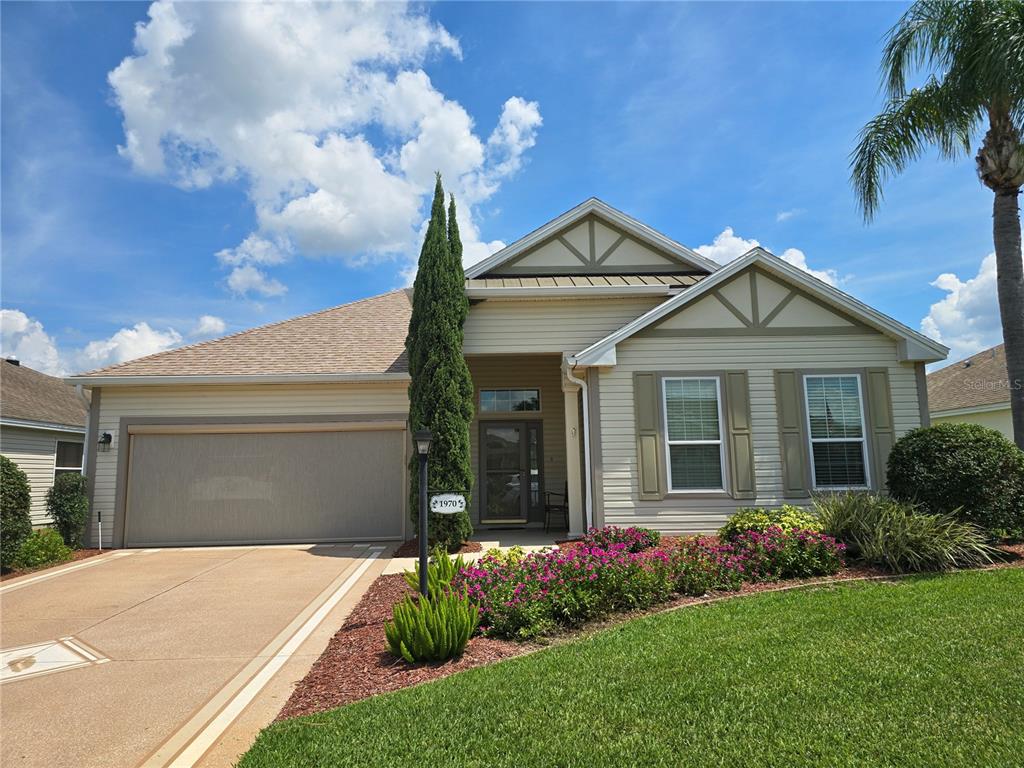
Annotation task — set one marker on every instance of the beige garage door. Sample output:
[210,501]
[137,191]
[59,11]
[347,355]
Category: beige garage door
[274,487]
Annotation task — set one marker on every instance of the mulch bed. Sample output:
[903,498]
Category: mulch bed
[357,665]
[78,554]
[411,548]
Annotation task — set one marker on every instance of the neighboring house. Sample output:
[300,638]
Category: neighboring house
[42,428]
[655,386]
[975,390]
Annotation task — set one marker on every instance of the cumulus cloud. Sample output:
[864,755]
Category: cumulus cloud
[23,338]
[967,318]
[127,344]
[325,113]
[727,246]
[207,326]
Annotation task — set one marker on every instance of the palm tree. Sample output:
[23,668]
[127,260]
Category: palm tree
[973,56]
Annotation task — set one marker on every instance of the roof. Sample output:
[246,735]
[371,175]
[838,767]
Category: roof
[913,345]
[585,281]
[977,382]
[28,395]
[364,339]
[589,207]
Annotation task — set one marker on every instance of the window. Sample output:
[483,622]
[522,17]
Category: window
[835,422]
[509,400]
[69,458]
[693,431]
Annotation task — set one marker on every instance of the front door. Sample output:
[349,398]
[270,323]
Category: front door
[512,483]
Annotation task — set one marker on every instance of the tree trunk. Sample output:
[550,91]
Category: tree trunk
[1010,288]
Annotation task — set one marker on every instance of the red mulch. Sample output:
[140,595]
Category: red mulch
[78,554]
[357,664]
[411,548]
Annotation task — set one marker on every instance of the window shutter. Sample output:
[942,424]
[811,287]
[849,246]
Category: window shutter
[741,442]
[651,474]
[880,426]
[796,482]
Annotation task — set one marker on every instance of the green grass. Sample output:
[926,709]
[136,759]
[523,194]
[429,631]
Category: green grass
[927,671]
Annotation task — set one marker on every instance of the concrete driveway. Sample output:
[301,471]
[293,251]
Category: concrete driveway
[166,656]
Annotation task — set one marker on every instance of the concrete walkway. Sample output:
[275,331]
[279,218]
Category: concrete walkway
[166,657]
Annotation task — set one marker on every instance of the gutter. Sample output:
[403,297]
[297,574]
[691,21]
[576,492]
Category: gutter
[42,425]
[971,410]
[114,380]
[588,513]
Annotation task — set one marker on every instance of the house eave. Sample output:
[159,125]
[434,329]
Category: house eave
[561,292]
[91,382]
[971,410]
[47,426]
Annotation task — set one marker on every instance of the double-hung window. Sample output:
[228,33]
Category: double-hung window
[835,428]
[68,459]
[693,434]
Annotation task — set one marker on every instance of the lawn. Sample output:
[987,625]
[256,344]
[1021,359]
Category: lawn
[927,671]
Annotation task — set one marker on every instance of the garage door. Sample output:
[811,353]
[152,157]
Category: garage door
[272,487]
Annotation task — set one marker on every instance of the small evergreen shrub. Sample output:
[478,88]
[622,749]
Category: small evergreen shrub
[15,506]
[634,538]
[432,629]
[68,505]
[441,570]
[42,547]
[787,517]
[900,537]
[965,470]
[776,554]
[510,556]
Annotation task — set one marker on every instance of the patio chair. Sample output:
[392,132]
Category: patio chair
[556,507]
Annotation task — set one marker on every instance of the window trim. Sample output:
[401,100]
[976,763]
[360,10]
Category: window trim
[668,443]
[479,400]
[863,439]
[56,451]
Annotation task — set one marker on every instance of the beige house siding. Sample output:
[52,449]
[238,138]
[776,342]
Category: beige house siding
[999,420]
[34,451]
[522,372]
[760,356]
[226,401]
[533,327]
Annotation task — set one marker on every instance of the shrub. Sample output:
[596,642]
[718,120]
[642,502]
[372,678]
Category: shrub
[68,505]
[901,538]
[441,569]
[432,629]
[787,517]
[512,555]
[702,564]
[635,539]
[42,547]
[965,470]
[777,554]
[15,504]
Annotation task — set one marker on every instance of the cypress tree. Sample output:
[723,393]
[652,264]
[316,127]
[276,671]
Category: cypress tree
[441,390]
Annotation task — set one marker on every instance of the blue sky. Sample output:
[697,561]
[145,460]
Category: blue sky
[297,144]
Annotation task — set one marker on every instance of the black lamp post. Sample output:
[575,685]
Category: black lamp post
[423,438]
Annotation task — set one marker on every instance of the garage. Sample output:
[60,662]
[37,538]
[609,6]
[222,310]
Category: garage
[245,486]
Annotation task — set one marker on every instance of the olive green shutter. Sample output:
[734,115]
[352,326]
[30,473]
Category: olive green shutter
[880,426]
[648,437]
[792,436]
[741,441]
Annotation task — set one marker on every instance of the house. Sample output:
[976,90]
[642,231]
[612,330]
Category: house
[656,387]
[42,428]
[975,391]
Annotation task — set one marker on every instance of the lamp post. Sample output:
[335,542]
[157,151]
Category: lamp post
[423,438]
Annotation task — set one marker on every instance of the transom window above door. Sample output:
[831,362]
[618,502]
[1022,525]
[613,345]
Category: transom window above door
[693,433]
[835,420]
[509,400]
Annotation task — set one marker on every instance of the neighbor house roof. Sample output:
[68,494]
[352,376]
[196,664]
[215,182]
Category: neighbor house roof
[361,340]
[980,381]
[30,396]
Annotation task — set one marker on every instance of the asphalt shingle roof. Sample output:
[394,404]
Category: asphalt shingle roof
[979,380]
[29,395]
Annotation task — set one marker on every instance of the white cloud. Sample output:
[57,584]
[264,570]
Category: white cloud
[208,325]
[126,344]
[24,338]
[782,216]
[324,112]
[727,246]
[967,319]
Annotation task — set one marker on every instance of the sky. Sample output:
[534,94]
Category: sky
[176,172]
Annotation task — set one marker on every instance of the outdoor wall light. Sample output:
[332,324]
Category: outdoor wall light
[423,438]
[104,442]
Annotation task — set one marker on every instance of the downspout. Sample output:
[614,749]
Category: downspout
[582,384]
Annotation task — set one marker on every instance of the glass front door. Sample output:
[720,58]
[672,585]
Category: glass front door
[512,482]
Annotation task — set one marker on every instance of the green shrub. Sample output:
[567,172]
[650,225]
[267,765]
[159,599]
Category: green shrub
[701,565]
[15,504]
[432,629]
[510,556]
[966,470]
[42,547]
[900,537]
[760,519]
[634,538]
[68,505]
[441,569]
